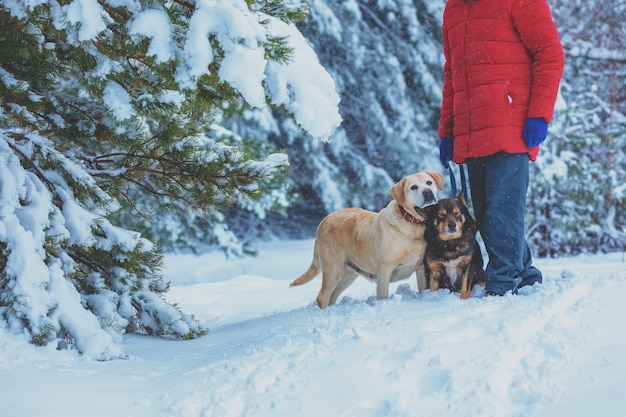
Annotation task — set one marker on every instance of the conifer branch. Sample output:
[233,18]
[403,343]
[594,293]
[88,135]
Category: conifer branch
[185,4]
[28,163]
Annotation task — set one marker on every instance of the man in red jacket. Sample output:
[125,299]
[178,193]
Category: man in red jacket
[504,62]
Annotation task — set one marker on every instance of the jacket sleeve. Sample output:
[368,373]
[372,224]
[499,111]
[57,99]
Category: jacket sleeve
[446,119]
[533,21]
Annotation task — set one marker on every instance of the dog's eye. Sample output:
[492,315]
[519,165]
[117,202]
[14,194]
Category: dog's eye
[414,187]
[442,214]
[429,182]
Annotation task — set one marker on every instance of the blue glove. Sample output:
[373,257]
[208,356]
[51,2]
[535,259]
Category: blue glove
[535,132]
[446,151]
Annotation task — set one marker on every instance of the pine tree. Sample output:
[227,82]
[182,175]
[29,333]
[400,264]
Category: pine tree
[387,61]
[107,110]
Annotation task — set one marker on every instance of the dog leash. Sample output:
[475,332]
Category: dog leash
[463,182]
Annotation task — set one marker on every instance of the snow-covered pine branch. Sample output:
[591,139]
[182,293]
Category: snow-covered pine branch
[68,273]
[107,104]
[236,36]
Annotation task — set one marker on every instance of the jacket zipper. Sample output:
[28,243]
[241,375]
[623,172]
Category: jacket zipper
[467,86]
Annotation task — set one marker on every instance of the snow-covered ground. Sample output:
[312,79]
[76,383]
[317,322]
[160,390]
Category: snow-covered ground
[558,349]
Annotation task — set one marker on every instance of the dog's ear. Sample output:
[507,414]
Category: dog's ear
[461,198]
[397,191]
[438,177]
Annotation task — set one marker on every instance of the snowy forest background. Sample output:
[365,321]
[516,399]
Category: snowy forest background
[133,128]
[385,57]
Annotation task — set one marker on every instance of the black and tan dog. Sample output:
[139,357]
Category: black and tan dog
[453,259]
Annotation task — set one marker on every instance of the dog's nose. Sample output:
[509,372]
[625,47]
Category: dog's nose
[428,195]
[452,226]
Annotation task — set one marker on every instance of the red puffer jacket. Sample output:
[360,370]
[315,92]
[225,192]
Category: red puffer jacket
[504,62]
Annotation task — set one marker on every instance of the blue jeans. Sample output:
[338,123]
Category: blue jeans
[498,184]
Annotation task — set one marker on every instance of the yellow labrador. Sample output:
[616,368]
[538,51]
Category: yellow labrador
[387,246]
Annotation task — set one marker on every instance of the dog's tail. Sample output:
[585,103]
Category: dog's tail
[310,273]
